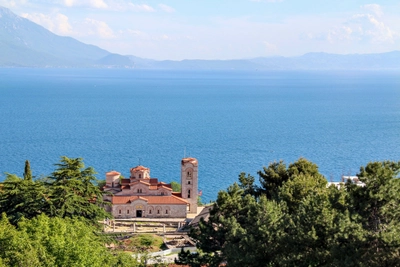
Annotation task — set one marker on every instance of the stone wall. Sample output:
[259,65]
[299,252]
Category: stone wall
[127,211]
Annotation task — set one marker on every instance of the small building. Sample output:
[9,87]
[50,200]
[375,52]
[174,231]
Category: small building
[352,179]
[143,196]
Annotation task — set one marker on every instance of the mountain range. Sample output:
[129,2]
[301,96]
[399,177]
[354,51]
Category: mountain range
[24,43]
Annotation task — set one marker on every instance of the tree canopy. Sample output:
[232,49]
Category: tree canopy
[70,191]
[53,221]
[292,218]
[45,241]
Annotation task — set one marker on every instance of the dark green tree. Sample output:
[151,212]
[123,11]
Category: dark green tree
[376,207]
[294,219]
[27,172]
[23,198]
[73,191]
[186,257]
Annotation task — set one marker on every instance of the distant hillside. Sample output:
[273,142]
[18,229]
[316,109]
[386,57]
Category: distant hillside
[24,43]
[310,61]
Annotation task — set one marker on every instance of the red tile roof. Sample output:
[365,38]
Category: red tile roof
[191,160]
[140,182]
[165,187]
[140,168]
[149,199]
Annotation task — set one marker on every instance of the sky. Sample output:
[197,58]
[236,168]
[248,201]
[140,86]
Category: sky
[220,29]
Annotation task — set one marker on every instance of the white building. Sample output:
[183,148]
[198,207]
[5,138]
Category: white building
[353,179]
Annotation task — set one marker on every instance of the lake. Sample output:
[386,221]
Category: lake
[231,121]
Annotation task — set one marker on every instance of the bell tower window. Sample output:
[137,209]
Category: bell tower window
[188,193]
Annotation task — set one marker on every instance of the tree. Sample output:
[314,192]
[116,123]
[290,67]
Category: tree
[186,257]
[376,207]
[176,187]
[294,219]
[73,191]
[45,241]
[23,198]
[27,172]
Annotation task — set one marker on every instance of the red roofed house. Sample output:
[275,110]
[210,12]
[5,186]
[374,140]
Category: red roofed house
[143,196]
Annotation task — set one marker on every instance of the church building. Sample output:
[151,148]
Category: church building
[143,196]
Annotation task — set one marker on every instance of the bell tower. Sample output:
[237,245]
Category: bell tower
[189,182]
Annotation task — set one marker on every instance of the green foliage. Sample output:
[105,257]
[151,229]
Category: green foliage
[145,242]
[176,187]
[27,172]
[187,258]
[199,201]
[23,198]
[45,241]
[293,219]
[73,191]
[70,191]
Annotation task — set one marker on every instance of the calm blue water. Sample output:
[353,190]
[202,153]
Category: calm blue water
[231,122]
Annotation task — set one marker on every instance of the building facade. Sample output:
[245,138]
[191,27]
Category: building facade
[143,196]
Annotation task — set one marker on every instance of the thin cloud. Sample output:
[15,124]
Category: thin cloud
[166,8]
[362,27]
[270,47]
[375,8]
[142,7]
[97,28]
[98,4]
[57,23]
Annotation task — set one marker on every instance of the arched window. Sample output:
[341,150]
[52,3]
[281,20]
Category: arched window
[188,182]
[166,211]
[189,174]
[140,176]
[127,211]
[158,211]
[188,193]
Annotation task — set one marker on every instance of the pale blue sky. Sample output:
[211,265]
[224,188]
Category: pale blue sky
[221,29]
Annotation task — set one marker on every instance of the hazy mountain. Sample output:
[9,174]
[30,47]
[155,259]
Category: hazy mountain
[24,43]
[310,61]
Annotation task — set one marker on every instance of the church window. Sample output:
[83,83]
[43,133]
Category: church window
[158,211]
[149,211]
[139,190]
[188,193]
[140,176]
[127,211]
[120,211]
[166,211]
[189,174]
[188,182]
